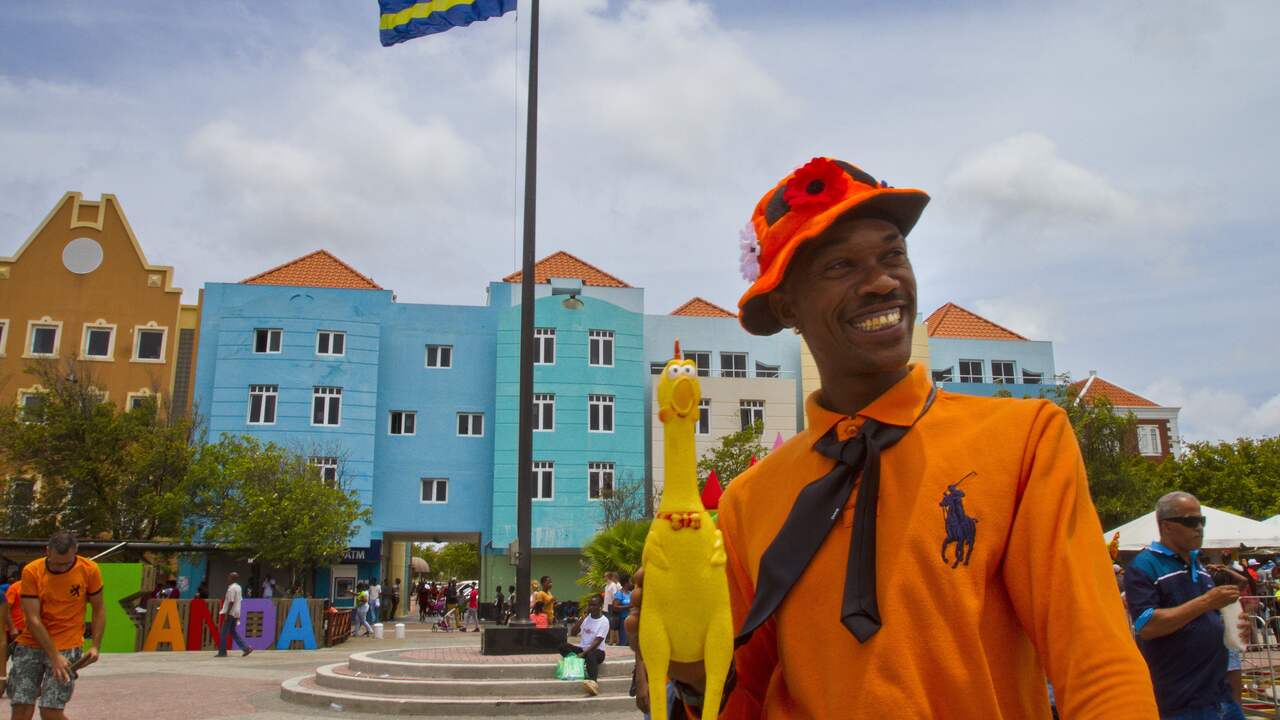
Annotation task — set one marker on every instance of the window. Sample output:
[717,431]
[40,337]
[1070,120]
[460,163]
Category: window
[31,403]
[44,339]
[439,356]
[331,342]
[544,346]
[544,480]
[704,416]
[327,467]
[752,412]
[471,424]
[1149,439]
[404,422]
[947,375]
[133,401]
[1032,378]
[262,404]
[1002,372]
[4,335]
[733,365]
[656,368]
[326,406]
[600,413]
[99,342]
[599,480]
[601,348]
[701,359]
[970,371]
[148,344]
[544,413]
[267,340]
[435,490]
[767,371]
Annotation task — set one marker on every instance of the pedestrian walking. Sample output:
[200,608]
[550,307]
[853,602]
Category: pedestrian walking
[56,590]
[622,605]
[375,600]
[544,596]
[473,609]
[394,604]
[591,629]
[229,615]
[451,601]
[424,601]
[268,588]
[362,610]
[611,587]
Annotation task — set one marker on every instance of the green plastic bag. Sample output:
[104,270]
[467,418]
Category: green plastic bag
[571,667]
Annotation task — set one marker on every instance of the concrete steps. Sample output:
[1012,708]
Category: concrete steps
[415,683]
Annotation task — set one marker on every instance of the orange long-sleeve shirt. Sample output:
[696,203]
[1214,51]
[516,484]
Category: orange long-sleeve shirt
[1037,598]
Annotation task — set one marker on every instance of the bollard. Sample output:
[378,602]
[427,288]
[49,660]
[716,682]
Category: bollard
[399,631]
[377,631]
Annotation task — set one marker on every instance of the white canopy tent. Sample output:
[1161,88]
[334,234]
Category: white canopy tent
[1222,531]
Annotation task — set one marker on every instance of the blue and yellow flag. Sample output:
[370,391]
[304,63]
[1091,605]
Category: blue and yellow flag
[407,19]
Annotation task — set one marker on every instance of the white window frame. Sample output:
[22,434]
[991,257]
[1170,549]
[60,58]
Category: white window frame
[44,322]
[656,368]
[755,407]
[426,361]
[544,338]
[597,473]
[411,415]
[330,394]
[111,341]
[325,463]
[539,468]
[24,393]
[703,427]
[472,419]
[765,370]
[1153,440]
[603,339]
[539,400]
[4,335]
[980,377]
[602,402]
[272,333]
[695,356]
[436,484]
[1030,377]
[949,375]
[1013,372]
[332,334]
[137,342]
[143,394]
[266,391]
[733,372]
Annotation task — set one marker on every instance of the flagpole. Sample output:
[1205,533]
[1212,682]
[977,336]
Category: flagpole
[524,471]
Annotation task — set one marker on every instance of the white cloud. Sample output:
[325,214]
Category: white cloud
[1216,414]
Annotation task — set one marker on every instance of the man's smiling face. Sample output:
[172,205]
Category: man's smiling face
[852,293]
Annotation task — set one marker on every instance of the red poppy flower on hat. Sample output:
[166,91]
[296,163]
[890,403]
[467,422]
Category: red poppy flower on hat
[821,182]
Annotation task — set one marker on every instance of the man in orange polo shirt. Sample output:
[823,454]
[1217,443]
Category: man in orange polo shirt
[55,591]
[912,553]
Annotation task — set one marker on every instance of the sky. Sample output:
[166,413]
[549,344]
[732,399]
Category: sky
[1102,173]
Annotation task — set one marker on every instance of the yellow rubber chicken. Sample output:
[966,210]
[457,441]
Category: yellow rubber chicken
[686,592]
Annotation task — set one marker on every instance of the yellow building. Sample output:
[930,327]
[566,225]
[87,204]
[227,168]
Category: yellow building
[80,293]
[809,369]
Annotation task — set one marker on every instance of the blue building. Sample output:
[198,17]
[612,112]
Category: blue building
[972,355]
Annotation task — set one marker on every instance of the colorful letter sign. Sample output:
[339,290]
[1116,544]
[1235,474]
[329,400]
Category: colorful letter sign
[291,618]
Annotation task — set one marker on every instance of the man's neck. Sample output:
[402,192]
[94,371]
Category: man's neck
[1184,554]
[850,394]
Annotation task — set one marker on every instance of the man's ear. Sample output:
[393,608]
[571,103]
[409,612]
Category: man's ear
[782,309]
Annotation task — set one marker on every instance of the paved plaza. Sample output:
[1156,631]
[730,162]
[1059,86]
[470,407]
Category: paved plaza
[196,685]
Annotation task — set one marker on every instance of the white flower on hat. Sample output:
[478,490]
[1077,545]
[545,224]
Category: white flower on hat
[749,257]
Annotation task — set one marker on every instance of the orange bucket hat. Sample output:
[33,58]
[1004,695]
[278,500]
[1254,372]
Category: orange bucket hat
[801,207]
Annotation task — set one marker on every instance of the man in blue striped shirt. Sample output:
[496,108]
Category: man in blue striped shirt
[1175,606]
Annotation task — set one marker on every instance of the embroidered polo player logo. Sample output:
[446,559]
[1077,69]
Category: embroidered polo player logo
[961,528]
[75,591]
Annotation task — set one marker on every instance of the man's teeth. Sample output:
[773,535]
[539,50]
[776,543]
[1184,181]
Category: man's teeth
[881,321]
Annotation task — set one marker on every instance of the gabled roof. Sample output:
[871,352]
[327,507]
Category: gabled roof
[1095,387]
[953,321]
[318,269]
[563,265]
[697,307]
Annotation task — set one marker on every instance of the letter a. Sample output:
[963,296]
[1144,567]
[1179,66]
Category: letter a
[297,626]
[166,627]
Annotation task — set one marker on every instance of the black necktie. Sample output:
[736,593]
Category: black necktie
[815,511]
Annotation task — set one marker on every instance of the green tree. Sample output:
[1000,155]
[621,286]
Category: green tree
[1241,477]
[270,501]
[623,501]
[459,560]
[82,464]
[732,455]
[618,548]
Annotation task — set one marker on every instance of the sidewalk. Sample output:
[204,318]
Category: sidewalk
[195,685]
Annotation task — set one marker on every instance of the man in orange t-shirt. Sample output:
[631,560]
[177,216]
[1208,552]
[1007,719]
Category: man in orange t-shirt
[56,589]
[912,553]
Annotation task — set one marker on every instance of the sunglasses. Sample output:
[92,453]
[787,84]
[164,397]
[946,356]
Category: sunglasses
[1188,521]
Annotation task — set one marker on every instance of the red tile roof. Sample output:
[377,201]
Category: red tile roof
[951,320]
[563,265]
[697,307]
[1095,387]
[318,269]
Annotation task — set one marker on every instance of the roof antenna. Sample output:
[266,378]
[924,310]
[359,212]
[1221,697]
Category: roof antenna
[677,350]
